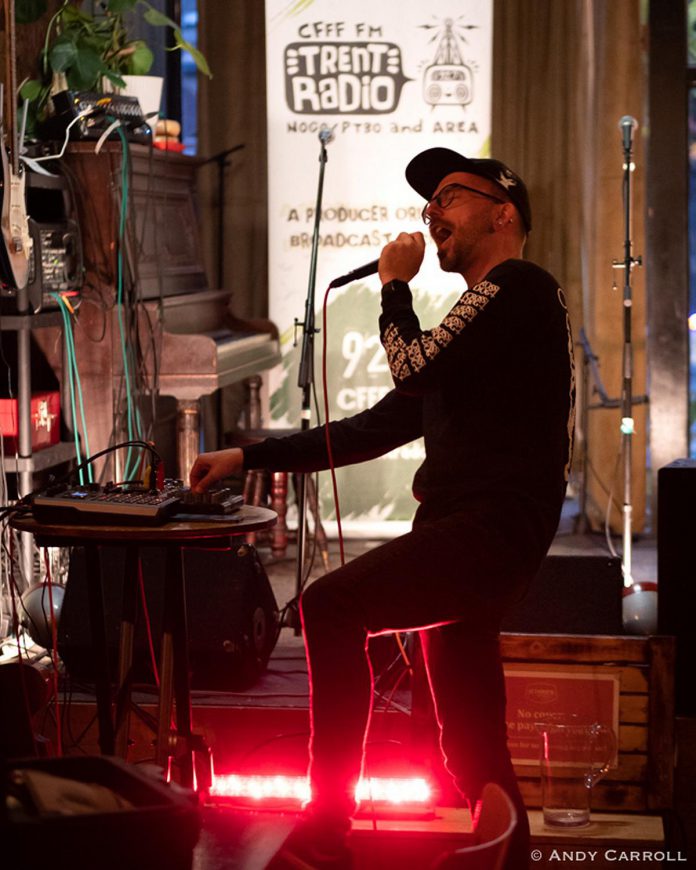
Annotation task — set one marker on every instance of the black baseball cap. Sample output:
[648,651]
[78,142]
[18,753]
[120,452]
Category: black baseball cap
[428,168]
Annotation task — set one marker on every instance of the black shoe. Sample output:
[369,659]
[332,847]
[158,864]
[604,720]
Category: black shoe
[315,843]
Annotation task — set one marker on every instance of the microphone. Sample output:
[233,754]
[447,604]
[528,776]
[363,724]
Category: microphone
[627,125]
[326,134]
[360,272]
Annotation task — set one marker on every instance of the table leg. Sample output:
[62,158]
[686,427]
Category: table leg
[98,628]
[174,669]
[131,579]
[166,669]
[182,689]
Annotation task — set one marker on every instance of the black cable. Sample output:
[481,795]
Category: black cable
[383,674]
[105,323]
[136,442]
[389,701]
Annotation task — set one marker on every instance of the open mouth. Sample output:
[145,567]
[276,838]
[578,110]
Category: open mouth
[440,234]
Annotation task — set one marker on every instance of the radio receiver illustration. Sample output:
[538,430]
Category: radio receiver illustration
[448,81]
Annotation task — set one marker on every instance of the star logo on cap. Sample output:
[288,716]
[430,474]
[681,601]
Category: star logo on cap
[506,180]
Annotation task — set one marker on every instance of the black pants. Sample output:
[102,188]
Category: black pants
[454,577]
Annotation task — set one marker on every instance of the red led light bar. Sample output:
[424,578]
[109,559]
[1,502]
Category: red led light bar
[392,791]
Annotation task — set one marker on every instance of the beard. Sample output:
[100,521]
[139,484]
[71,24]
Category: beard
[458,251]
[454,256]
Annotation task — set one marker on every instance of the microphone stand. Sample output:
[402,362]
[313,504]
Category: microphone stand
[305,380]
[591,377]
[627,125]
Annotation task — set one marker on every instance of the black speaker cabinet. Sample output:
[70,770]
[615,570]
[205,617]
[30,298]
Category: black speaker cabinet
[676,573]
[231,610]
[571,595]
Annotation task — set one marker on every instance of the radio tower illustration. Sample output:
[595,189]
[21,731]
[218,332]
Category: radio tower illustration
[448,81]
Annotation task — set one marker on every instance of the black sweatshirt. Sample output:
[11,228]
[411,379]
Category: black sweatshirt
[491,389]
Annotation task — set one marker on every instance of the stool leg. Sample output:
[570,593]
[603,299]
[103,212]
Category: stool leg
[249,484]
[254,483]
[95,597]
[322,542]
[188,426]
[279,504]
[252,410]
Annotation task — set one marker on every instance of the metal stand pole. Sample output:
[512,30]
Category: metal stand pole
[627,125]
[26,476]
[306,379]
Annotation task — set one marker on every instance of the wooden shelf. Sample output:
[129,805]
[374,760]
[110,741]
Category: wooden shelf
[14,322]
[42,459]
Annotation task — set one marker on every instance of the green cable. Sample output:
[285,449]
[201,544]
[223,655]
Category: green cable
[72,387]
[119,297]
[133,409]
[70,340]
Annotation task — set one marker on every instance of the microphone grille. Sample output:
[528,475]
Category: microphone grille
[628,121]
[326,134]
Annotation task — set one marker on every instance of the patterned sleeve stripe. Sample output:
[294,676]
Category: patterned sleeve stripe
[409,358]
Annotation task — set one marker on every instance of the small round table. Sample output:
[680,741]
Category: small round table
[175,536]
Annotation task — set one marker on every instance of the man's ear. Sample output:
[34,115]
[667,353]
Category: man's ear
[507,215]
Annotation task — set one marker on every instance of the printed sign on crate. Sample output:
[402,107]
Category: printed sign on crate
[553,697]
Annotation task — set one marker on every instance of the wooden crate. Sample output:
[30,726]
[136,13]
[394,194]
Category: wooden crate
[644,668]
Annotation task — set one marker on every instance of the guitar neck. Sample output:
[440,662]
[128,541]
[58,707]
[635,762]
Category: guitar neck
[12,84]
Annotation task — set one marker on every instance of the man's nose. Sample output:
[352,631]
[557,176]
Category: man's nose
[432,209]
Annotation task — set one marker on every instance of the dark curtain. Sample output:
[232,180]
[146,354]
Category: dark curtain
[565,71]
[232,111]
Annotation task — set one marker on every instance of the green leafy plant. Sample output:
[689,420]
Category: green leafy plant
[80,50]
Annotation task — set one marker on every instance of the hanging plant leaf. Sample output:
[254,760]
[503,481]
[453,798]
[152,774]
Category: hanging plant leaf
[83,47]
[159,19]
[87,70]
[120,6]
[114,78]
[72,14]
[31,90]
[63,54]
[140,62]
[97,42]
[29,11]
[198,56]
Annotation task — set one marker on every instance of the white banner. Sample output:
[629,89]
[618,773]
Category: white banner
[389,79]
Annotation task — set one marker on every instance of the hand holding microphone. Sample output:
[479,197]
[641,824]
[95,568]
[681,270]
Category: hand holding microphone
[402,258]
[400,261]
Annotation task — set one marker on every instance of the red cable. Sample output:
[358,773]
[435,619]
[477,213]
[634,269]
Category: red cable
[148,626]
[329,451]
[54,654]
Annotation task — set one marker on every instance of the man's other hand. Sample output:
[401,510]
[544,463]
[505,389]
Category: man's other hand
[211,467]
[401,259]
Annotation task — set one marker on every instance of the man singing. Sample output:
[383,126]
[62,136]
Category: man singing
[491,390]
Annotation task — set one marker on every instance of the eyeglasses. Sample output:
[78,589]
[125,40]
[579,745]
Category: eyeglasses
[445,198]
